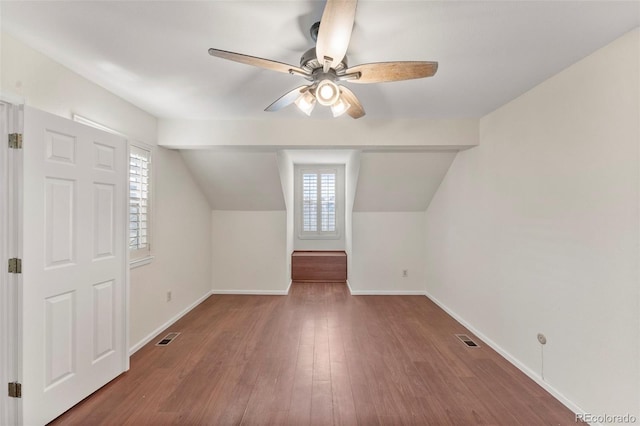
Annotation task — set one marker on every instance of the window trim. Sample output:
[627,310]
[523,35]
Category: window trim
[141,257]
[318,169]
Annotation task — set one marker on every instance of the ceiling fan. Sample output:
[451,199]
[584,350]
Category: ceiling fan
[325,66]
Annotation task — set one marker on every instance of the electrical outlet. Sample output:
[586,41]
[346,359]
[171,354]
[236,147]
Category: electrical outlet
[169,296]
[405,273]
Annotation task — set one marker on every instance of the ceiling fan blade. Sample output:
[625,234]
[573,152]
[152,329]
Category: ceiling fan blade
[355,110]
[335,30]
[380,72]
[287,99]
[258,62]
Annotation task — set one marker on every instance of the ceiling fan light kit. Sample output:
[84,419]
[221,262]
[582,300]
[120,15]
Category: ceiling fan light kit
[306,102]
[340,107]
[327,93]
[326,64]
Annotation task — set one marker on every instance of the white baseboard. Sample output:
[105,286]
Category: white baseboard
[254,292]
[167,324]
[289,286]
[506,355]
[386,292]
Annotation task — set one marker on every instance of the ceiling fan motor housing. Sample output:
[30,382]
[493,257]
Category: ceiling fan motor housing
[313,31]
[309,62]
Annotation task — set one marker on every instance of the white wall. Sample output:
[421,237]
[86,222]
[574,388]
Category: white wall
[285,168]
[352,171]
[181,245]
[335,134]
[181,217]
[384,244]
[537,230]
[249,252]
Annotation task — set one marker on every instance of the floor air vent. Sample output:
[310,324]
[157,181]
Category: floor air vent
[167,339]
[467,340]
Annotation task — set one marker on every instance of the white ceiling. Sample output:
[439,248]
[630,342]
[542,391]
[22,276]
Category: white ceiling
[154,53]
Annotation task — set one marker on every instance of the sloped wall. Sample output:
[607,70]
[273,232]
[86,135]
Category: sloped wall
[537,230]
[393,191]
[237,180]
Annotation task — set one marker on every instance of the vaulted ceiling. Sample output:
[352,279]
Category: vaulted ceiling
[154,53]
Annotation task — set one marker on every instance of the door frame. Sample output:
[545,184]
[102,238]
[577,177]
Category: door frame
[10,246]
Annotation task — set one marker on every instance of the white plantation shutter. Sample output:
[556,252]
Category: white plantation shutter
[328,202]
[139,180]
[309,202]
[319,202]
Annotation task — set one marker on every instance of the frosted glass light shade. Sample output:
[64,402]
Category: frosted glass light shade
[340,107]
[327,92]
[306,102]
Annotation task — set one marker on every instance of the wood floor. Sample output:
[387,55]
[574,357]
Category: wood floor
[318,356]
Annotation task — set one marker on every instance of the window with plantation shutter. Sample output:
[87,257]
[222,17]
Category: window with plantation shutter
[319,198]
[139,203]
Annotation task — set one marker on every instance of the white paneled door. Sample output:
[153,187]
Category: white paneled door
[73,265]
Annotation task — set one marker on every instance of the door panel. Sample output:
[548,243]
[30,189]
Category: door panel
[74,263]
[103,221]
[60,202]
[60,339]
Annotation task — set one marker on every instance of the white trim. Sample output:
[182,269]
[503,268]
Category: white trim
[149,337]
[10,246]
[386,292]
[126,302]
[4,282]
[87,122]
[136,263]
[638,269]
[145,254]
[254,292]
[289,287]
[339,170]
[11,98]
[506,355]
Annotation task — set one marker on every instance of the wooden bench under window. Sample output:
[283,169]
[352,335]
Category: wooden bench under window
[319,266]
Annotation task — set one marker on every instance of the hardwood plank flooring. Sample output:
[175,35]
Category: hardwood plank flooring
[318,356]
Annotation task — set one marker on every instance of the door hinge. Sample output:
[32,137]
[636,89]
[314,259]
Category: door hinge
[15,390]
[15,266]
[15,140]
